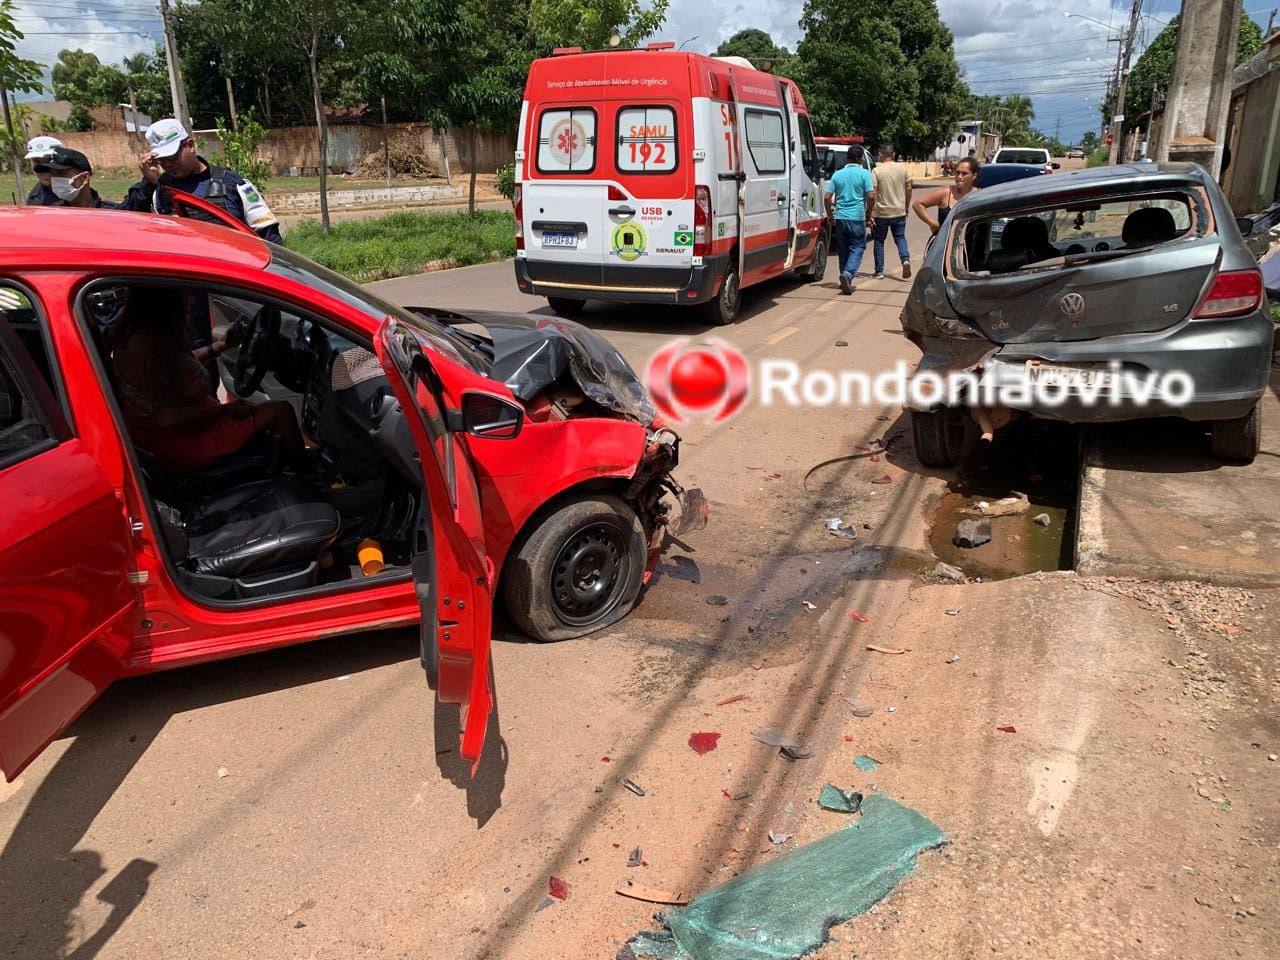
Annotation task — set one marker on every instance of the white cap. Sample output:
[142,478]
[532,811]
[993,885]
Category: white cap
[166,137]
[38,147]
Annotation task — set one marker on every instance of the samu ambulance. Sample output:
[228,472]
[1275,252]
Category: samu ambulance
[655,176]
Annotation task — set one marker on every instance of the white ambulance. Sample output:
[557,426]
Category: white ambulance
[654,176]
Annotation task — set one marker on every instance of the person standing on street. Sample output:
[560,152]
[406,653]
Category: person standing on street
[851,198]
[893,198]
[944,198]
[41,194]
[173,162]
[70,177]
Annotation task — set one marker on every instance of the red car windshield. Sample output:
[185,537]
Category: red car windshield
[447,341]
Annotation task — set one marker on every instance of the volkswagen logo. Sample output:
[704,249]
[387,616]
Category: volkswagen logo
[1072,304]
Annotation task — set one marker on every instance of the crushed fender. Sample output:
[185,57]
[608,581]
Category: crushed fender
[786,907]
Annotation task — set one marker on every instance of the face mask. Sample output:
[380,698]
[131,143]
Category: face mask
[63,188]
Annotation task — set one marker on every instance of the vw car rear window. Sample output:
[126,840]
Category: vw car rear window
[647,140]
[1076,232]
[767,141]
[567,140]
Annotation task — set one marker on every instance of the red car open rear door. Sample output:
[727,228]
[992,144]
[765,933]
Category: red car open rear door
[65,559]
[451,571]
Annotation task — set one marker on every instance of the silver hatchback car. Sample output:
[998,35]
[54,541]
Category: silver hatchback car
[1115,293]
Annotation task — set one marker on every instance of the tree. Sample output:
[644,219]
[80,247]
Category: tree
[1028,137]
[1089,141]
[590,23]
[486,91]
[17,75]
[146,75]
[73,77]
[884,68]
[1150,77]
[224,38]
[1015,114]
[753,44]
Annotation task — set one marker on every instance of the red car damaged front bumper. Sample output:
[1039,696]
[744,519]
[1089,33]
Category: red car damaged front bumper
[648,487]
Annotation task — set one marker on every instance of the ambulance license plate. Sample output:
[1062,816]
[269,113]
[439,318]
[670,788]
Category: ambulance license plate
[555,238]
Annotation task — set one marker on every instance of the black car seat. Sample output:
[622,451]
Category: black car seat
[1148,226]
[1025,240]
[251,540]
[259,458]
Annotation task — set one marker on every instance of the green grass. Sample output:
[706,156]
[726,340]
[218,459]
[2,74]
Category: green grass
[406,243]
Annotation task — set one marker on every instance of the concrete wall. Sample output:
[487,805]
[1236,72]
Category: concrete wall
[296,147]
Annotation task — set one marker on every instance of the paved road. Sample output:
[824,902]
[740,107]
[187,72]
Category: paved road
[346,826]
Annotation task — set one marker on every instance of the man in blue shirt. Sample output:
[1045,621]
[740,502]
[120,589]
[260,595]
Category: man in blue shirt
[851,198]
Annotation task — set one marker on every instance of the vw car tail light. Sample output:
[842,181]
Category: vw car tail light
[1233,292]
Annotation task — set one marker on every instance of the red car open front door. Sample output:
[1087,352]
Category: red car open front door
[65,558]
[451,571]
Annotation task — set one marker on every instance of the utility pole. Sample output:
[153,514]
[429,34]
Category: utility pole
[386,148]
[1117,117]
[1151,119]
[13,142]
[176,88]
[231,102]
[1271,18]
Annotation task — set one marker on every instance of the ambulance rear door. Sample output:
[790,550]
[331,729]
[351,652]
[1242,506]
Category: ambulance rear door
[563,196]
[653,163]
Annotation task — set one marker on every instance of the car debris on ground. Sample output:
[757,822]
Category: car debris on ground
[833,798]
[972,533]
[1004,507]
[786,907]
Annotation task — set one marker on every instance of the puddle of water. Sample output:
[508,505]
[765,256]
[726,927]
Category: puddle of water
[1035,457]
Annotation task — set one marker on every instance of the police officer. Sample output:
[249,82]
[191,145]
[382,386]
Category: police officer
[41,194]
[173,162]
[70,177]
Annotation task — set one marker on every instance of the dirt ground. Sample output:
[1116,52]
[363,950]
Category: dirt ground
[1133,813]
[309,803]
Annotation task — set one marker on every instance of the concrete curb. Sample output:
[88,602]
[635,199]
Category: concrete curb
[1092,556]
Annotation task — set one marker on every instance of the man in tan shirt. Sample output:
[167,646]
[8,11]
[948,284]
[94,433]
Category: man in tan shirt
[893,200]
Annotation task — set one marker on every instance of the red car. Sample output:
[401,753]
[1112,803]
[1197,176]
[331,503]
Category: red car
[485,454]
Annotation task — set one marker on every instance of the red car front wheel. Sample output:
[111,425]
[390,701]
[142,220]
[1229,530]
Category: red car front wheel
[579,570]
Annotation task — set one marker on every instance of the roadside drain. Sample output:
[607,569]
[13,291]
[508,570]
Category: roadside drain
[1035,457]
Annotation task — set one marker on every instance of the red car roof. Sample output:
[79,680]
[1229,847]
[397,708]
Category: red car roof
[59,235]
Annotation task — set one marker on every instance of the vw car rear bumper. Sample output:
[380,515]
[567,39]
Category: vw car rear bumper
[1227,360]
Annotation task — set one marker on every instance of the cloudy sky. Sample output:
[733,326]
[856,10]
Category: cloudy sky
[1005,46]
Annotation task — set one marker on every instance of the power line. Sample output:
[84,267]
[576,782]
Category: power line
[1024,46]
[86,33]
[126,8]
[105,20]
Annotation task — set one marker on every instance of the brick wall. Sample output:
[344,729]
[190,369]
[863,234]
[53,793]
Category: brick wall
[296,147]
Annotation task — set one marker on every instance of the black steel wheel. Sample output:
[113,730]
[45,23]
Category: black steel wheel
[580,569]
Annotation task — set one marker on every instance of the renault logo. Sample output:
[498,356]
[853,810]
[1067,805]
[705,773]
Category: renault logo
[1072,305]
